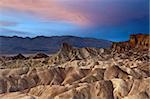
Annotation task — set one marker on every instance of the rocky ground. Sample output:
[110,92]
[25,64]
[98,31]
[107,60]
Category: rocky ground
[77,73]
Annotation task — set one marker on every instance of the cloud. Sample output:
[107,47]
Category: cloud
[109,12]
[10,32]
[81,12]
[46,9]
[7,23]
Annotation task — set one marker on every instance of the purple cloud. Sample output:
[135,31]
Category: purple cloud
[7,23]
[109,12]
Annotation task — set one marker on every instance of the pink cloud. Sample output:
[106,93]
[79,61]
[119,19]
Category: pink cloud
[46,10]
[81,12]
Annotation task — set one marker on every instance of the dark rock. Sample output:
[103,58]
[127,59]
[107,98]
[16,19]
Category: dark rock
[40,55]
[19,56]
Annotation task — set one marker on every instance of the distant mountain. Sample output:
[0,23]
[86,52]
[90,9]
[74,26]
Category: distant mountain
[14,45]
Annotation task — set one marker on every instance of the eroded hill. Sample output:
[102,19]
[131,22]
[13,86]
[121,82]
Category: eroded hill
[79,73]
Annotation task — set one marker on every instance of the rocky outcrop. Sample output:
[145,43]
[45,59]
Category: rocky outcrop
[140,41]
[21,79]
[115,72]
[19,56]
[69,53]
[66,83]
[16,57]
[17,95]
[40,55]
[137,41]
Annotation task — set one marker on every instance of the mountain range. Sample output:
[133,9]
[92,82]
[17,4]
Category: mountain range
[27,45]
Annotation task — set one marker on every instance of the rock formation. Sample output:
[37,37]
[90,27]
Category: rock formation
[68,53]
[136,41]
[19,56]
[80,73]
[139,41]
[40,55]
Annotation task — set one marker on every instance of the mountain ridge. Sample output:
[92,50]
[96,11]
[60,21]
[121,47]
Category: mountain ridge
[25,45]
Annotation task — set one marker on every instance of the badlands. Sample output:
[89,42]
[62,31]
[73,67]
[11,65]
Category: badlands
[119,72]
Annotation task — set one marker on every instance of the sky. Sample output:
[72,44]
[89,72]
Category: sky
[112,20]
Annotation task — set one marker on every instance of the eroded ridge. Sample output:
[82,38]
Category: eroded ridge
[80,73]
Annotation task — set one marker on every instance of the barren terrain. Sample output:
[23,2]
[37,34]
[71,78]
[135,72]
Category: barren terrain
[119,72]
